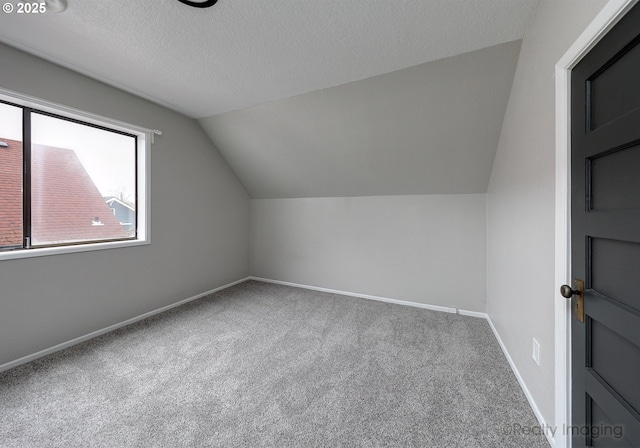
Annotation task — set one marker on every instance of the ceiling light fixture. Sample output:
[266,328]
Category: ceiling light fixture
[56,5]
[199,4]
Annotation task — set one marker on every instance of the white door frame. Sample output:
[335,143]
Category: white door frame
[603,22]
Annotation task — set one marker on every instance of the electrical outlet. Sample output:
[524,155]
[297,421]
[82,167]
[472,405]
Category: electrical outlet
[536,351]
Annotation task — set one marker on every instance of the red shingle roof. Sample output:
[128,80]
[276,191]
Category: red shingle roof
[11,194]
[65,201]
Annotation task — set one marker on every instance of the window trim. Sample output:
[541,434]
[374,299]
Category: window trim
[143,176]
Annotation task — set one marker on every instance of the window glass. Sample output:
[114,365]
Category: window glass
[70,181]
[83,182]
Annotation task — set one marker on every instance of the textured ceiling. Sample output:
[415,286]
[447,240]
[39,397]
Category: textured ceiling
[428,129]
[241,53]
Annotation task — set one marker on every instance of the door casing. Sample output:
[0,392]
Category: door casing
[603,22]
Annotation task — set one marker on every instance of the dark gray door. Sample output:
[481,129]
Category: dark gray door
[605,216]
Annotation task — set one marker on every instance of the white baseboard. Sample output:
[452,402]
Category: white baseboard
[443,309]
[523,386]
[473,314]
[97,333]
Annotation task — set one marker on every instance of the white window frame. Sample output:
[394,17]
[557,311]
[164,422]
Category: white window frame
[143,209]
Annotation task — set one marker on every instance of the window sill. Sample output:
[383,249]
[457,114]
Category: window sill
[47,251]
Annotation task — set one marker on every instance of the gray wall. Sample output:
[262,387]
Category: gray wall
[428,129]
[521,198]
[199,226]
[427,249]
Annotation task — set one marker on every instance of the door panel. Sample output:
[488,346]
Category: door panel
[615,224]
[610,178]
[614,270]
[605,239]
[608,440]
[606,99]
[612,365]
[615,316]
[613,136]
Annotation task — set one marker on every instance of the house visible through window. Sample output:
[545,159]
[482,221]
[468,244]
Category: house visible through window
[64,181]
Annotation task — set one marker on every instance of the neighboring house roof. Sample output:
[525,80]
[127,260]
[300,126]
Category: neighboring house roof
[11,193]
[110,200]
[65,201]
[125,213]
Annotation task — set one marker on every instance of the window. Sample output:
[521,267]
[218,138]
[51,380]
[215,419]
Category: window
[69,181]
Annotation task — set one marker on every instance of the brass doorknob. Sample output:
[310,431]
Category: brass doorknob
[578,303]
[567,292]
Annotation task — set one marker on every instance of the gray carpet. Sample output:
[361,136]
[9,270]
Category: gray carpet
[267,365]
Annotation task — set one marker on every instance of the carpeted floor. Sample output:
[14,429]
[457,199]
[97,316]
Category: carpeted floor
[266,365]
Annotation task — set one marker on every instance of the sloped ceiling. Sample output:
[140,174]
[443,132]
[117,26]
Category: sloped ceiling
[310,97]
[428,129]
[240,53]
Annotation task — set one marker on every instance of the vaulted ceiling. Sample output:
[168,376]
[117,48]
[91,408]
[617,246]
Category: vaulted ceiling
[310,97]
[428,129]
